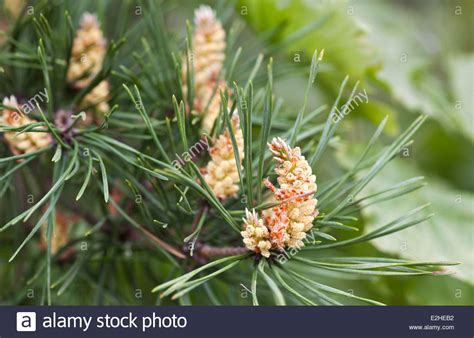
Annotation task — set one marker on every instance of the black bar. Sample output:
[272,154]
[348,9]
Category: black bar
[248,322]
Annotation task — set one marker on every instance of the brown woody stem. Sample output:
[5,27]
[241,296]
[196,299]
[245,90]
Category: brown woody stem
[208,251]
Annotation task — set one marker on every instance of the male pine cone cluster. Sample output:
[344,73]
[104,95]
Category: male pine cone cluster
[221,171]
[12,10]
[208,44]
[286,224]
[60,234]
[21,143]
[87,56]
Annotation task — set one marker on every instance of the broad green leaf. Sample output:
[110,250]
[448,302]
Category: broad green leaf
[337,33]
[461,73]
[444,237]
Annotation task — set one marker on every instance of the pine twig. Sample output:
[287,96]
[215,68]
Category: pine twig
[206,251]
